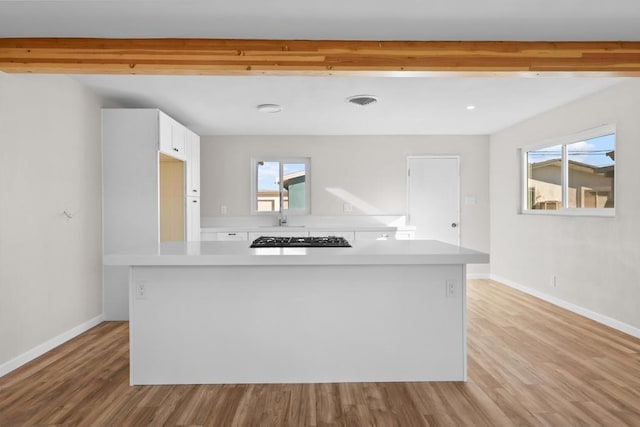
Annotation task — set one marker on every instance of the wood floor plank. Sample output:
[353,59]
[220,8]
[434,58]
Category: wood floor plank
[530,364]
[244,409]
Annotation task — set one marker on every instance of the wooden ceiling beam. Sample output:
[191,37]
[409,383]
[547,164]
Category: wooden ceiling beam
[316,57]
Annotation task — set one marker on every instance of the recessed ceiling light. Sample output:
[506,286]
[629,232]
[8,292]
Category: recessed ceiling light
[269,108]
[471,107]
[362,100]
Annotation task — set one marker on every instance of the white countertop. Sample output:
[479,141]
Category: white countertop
[374,252]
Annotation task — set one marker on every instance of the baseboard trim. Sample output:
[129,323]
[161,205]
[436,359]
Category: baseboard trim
[600,318]
[48,345]
[478,276]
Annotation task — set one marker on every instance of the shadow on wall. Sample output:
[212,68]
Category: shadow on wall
[354,201]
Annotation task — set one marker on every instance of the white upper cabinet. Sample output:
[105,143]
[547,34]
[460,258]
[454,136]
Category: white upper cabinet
[172,137]
[192,149]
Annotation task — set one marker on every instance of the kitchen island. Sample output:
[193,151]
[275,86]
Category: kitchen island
[221,312]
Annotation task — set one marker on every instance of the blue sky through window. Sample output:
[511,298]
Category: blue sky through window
[268,174]
[593,151]
[590,151]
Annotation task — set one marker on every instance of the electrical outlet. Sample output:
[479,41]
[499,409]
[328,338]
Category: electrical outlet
[554,281]
[451,288]
[223,209]
[470,200]
[347,207]
[141,290]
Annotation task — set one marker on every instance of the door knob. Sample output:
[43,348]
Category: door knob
[454,225]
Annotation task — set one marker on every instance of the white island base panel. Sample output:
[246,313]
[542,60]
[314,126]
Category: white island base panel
[297,324]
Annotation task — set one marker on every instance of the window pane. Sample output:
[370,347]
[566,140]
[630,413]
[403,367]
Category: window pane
[268,197]
[591,172]
[294,182]
[544,178]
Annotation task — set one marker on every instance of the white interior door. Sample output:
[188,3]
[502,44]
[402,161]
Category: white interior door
[433,197]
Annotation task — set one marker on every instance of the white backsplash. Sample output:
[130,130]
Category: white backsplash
[306,220]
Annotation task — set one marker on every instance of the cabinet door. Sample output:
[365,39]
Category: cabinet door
[192,149]
[171,135]
[188,149]
[164,133]
[195,171]
[405,235]
[208,236]
[375,235]
[232,236]
[178,135]
[193,218]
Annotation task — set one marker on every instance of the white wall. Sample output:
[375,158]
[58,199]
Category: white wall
[596,260]
[50,266]
[367,171]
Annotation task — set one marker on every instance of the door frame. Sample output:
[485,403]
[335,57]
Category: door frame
[408,195]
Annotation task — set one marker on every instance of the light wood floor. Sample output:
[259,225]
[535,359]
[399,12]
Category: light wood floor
[530,363]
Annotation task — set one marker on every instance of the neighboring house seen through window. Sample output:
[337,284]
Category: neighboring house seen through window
[280,185]
[571,175]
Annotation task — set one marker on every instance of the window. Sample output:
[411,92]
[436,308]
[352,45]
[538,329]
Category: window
[544,178]
[572,175]
[280,185]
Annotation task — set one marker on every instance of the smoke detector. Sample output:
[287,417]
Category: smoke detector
[269,108]
[362,100]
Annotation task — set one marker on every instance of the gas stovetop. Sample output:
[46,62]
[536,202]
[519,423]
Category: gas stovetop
[300,242]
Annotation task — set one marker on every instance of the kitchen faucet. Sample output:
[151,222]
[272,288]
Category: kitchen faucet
[282,220]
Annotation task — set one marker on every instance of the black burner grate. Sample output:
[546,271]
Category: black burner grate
[300,242]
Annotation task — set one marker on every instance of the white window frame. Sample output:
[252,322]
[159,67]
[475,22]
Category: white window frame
[563,141]
[307,186]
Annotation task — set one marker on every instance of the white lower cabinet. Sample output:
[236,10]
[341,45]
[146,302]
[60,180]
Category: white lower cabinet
[384,235]
[208,236]
[231,236]
[404,235]
[350,236]
[375,235]
[228,236]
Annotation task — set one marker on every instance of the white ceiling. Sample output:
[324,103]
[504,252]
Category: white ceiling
[326,19]
[213,105]
[315,105]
